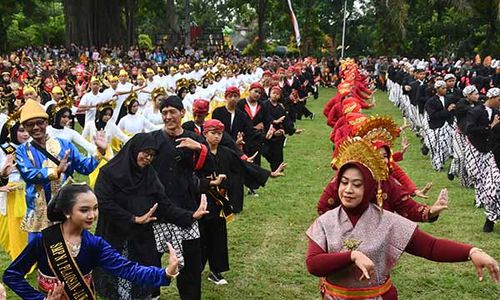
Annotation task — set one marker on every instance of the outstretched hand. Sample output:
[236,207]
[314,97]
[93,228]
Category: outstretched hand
[482,260]
[63,163]
[279,170]
[423,192]
[147,217]
[252,158]
[202,209]
[101,142]
[364,263]
[188,143]
[440,204]
[172,269]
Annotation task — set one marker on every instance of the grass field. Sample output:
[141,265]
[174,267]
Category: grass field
[267,243]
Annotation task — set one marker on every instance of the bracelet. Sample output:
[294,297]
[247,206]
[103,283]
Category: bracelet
[170,275]
[474,250]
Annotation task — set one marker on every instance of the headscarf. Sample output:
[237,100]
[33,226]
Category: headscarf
[123,171]
[379,144]
[129,106]
[13,133]
[99,123]
[369,194]
[56,123]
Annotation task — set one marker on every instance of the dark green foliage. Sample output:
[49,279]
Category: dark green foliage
[415,28]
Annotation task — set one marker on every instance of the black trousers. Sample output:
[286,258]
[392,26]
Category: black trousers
[302,110]
[235,192]
[273,151]
[189,279]
[292,112]
[214,244]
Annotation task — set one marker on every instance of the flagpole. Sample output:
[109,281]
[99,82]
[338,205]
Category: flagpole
[343,29]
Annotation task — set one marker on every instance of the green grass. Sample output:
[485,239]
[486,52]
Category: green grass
[267,243]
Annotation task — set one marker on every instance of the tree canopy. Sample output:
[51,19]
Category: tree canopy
[374,27]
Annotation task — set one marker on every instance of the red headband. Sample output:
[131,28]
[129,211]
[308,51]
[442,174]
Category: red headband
[211,125]
[256,85]
[277,88]
[200,106]
[232,90]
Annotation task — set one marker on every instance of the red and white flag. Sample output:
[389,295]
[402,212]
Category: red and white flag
[294,23]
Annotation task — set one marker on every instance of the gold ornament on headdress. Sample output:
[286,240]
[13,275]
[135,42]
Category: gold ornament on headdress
[380,128]
[111,103]
[193,81]
[13,119]
[159,91]
[132,96]
[362,151]
[208,75]
[65,102]
[183,82]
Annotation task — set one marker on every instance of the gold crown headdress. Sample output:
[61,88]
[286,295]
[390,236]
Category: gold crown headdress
[13,119]
[208,75]
[183,82]
[111,103]
[159,91]
[132,96]
[381,128]
[361,151]
[64,102]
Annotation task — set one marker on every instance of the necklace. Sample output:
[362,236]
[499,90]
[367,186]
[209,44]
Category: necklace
[74,248]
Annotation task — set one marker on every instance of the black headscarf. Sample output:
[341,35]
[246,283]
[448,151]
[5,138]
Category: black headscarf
[123,171]
[129,107]
[10,134]
[13,133]
[99,123]
[56,123]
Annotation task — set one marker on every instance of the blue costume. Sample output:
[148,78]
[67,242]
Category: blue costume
[94,252]
[40,175]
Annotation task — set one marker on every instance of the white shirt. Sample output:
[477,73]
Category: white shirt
[152,116]
[253,107]
[89,99]
[72,136]
[126,87]
[133,124]
[110,131]
[489,111]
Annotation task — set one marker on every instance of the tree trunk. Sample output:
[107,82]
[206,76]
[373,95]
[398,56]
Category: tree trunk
[173,29]
[261,19]
[3,34]
[94,22]
[187,24]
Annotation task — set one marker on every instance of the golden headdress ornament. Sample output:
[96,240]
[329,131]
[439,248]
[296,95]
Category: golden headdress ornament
[159,91]
[183,82]
[361,151]
[65,102]
[111,103]
[13,119]
[132,96]
[193,81]
[209,75]
[381,128]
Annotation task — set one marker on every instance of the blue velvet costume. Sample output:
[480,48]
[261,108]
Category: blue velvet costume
[40,175]
[94,252]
